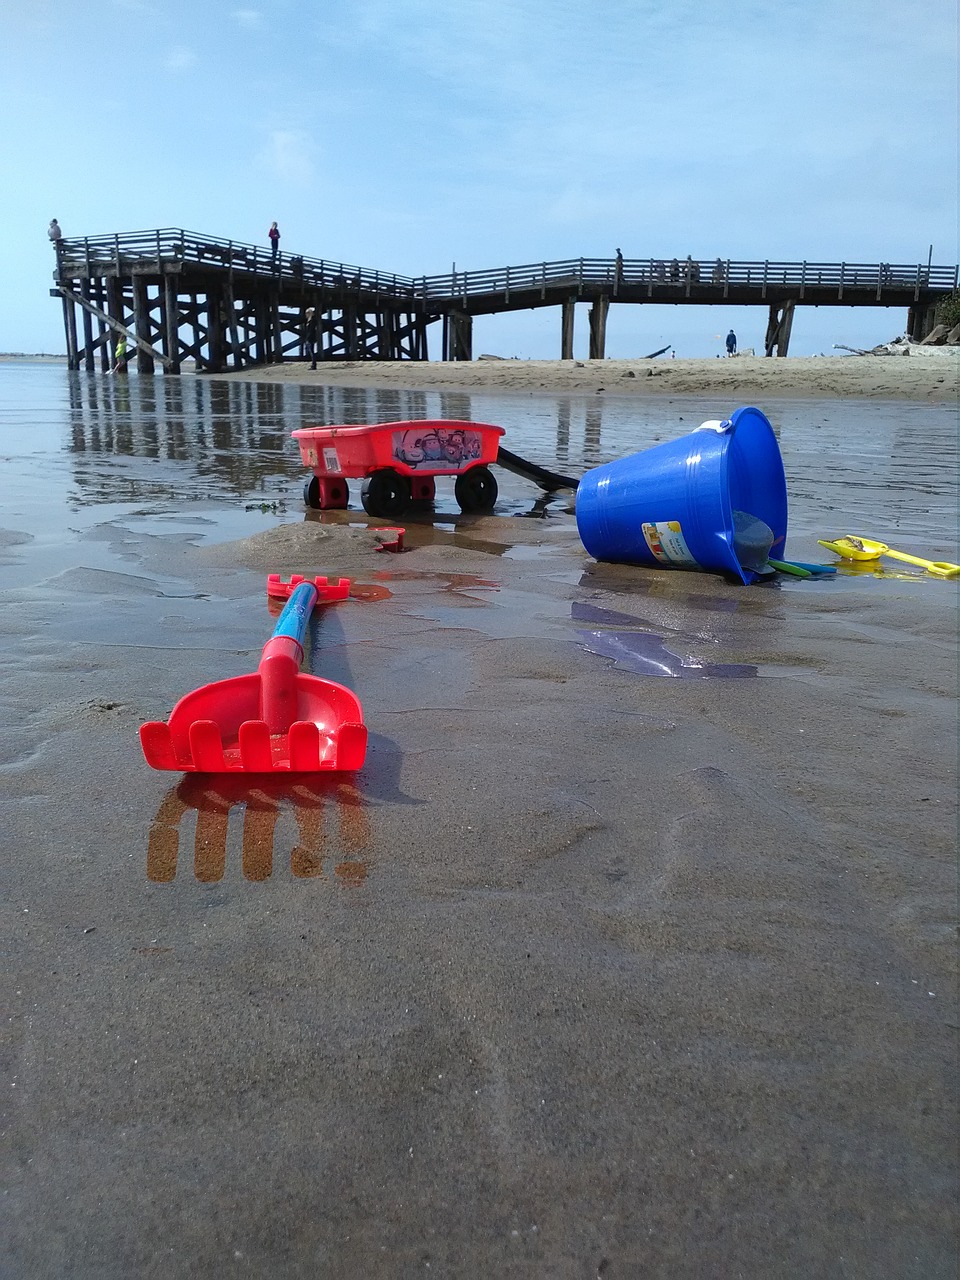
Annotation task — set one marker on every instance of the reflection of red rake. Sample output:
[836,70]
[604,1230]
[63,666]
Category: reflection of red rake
[276,719]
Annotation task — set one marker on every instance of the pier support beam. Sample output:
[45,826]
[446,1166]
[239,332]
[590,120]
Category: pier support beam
[89,362]
[70,329]
[920,321]
[141,324]
[778,328]
[459,334]
[598,327]
[566,329]
[170,320]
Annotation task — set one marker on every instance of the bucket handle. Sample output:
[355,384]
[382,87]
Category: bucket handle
[721,428]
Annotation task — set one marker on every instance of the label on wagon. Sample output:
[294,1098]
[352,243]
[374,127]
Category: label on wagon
[667,543]
[437,448]
[330,460]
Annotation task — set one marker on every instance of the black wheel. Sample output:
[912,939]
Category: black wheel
[385,493]
[311,493]
[476,489]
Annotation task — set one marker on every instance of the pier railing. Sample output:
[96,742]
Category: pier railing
[706,279]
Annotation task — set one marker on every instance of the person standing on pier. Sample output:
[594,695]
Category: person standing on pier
[274,234]
[54,232]
[731,343]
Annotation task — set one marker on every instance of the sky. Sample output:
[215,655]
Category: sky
[409,135]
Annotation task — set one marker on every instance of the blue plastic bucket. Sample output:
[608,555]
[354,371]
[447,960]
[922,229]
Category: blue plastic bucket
[673,504]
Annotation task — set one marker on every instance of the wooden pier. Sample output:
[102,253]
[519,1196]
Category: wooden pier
[223,305]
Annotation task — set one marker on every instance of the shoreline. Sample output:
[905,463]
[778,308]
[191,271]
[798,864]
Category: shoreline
[928,378]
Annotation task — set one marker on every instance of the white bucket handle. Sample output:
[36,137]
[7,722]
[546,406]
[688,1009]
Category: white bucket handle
[721,428]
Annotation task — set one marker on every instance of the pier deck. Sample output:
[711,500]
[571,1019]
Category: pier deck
[178,296]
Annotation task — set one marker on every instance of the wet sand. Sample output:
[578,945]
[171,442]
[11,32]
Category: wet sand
[587,972]
[926,373]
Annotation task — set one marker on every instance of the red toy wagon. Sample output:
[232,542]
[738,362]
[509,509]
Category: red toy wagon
[398,462]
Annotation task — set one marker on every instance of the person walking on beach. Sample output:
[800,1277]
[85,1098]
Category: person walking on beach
[731,343]
[274,234]
[121,364]
[311,334]
[54,232]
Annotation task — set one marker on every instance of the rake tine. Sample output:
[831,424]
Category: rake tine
[157,743]
[256,755]
[351,746]
[305,751]
[206,747]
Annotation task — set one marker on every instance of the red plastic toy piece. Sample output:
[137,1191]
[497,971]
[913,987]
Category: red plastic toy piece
[394,544]
[277,589]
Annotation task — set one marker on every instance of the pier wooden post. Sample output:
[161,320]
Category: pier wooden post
[231,306]
[598,327]
[566,329]
[460,336]
[920,321]
[215,350]
[103,337]
[141,322]
[276,336]
[70,329]
[88,352]
[171,325]
[779,324]
[115,312]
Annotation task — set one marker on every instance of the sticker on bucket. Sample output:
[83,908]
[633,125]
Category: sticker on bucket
[666,542]
[330,460]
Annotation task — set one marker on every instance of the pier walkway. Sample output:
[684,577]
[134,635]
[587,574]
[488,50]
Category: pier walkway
[223,304]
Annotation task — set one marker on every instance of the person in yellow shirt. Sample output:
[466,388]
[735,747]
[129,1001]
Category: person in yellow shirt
[121,364]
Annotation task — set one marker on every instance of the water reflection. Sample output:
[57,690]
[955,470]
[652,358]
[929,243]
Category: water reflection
[316,854]
[874,467]
[644,652]
[647,655]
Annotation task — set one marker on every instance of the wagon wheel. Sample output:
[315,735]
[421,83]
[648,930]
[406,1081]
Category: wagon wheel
[311,493]
[476,489]
[385,493]
[330,492]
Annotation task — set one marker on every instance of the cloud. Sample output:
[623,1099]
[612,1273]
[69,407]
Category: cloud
[180,58]
[288,155]
[249,19]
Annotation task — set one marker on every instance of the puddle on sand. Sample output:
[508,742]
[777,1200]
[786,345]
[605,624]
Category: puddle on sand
[647,655]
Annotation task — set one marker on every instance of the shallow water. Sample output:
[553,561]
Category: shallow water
[72,442]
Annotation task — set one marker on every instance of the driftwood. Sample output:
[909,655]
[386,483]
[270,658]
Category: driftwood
[857,351]
[656,353]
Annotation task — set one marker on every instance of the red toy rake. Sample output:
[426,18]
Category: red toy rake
[274,720]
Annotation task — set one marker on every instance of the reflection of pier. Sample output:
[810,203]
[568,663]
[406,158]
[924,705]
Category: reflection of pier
[179,296]
[233,436]
[230,440]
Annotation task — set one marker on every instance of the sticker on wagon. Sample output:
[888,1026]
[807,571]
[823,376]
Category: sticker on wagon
[330,460]
[667,543]
[437,448]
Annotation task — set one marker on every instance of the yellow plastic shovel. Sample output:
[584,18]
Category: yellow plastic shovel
[850,548]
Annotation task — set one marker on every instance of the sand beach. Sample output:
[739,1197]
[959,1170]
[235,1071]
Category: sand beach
[631,949]
[925,373]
